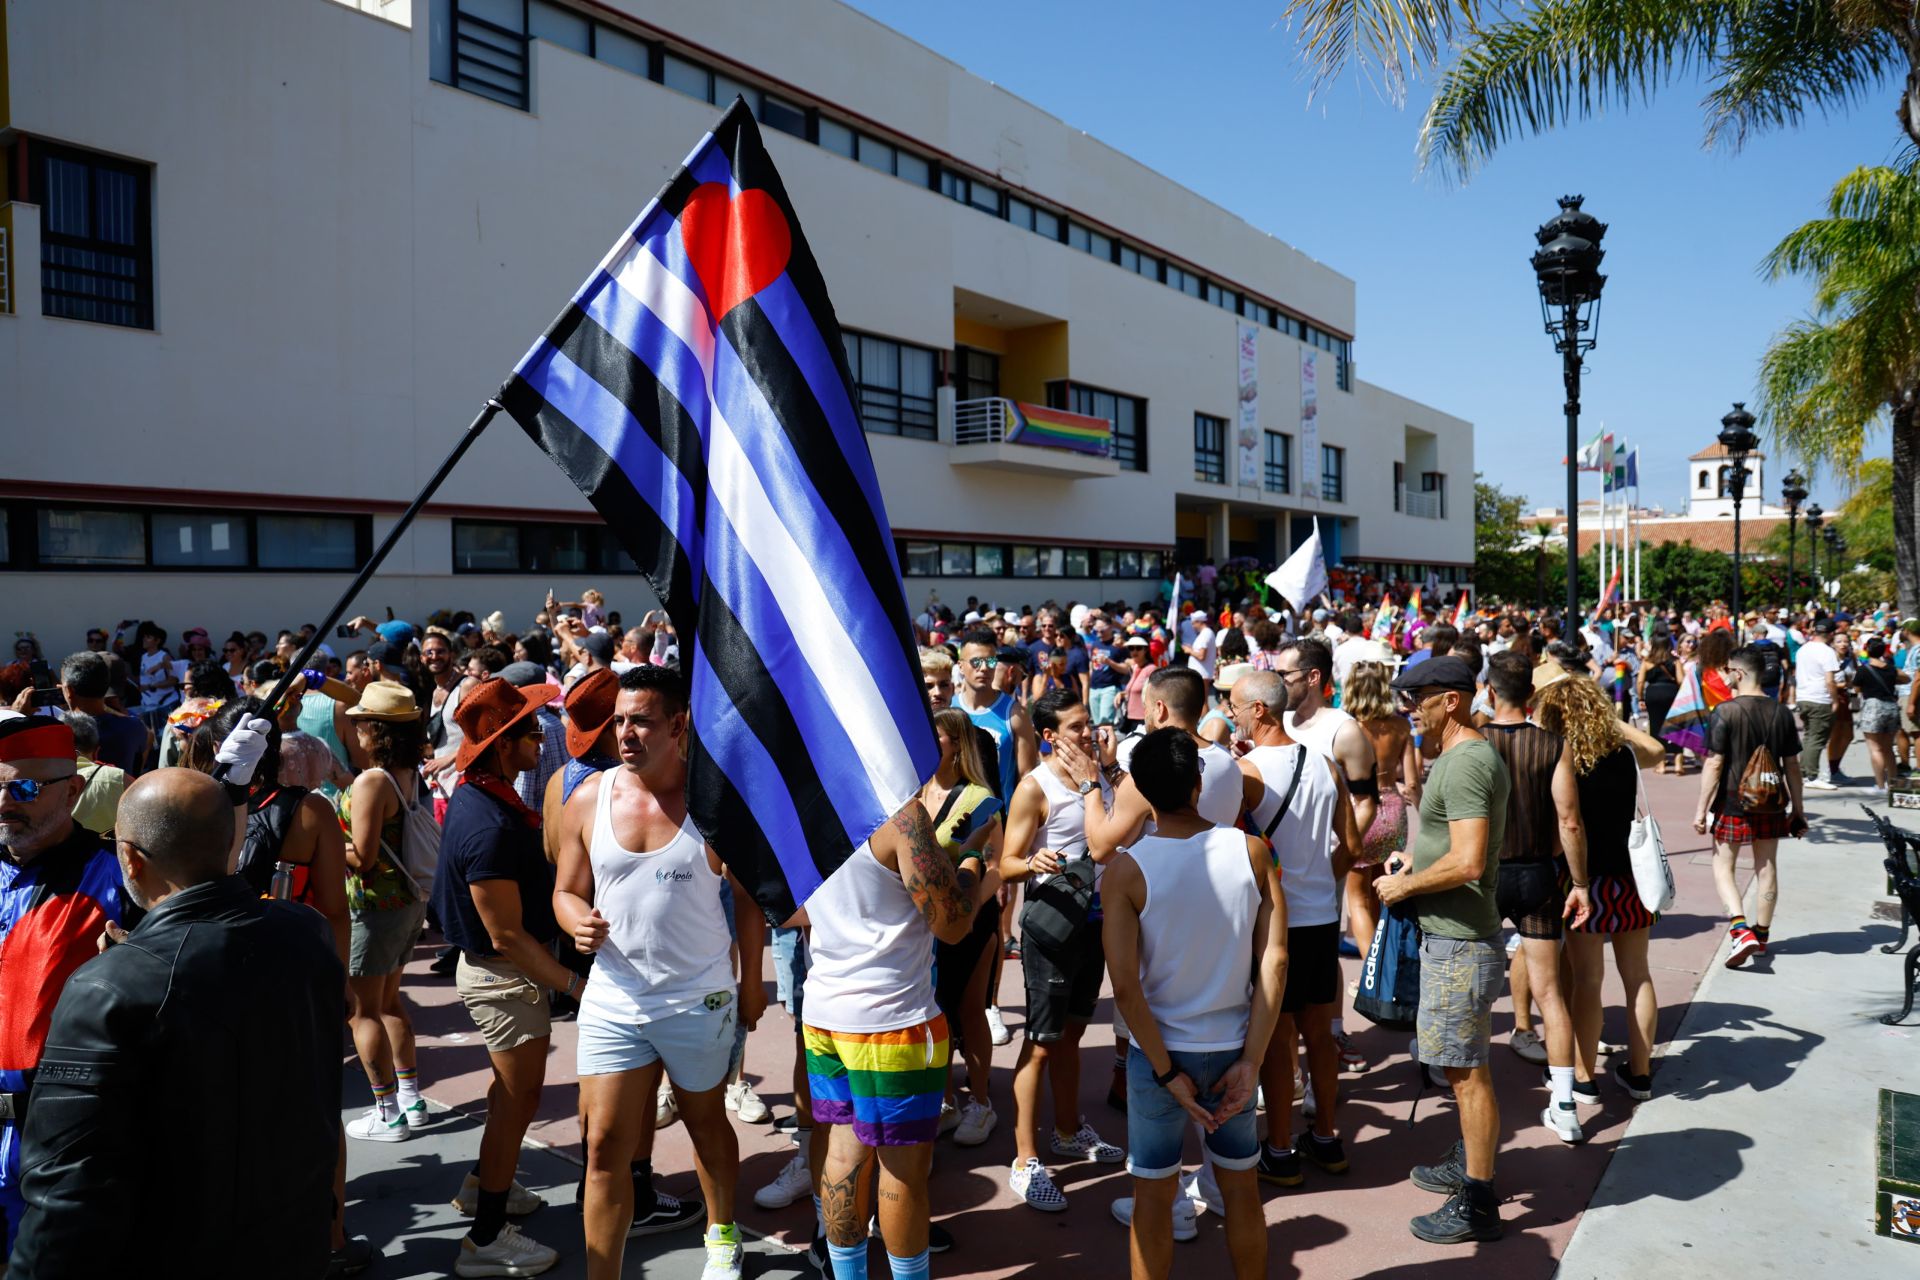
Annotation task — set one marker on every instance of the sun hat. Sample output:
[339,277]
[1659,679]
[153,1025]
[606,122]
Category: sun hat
[488,711]
[1548,674]
[590,710]
[1230,675]
[385,700]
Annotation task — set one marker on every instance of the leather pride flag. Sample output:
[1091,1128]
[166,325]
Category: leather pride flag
[697,392]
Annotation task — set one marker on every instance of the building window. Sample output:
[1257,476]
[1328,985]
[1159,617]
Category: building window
[616,48]
[1343,365]
[1026,560]
[976,374]
[1333,473]
[1279,452]
[1183,280]
[495,546]
[557,25]
[837,138]
[1128,414]
[1209,448]
[487,52]
[921,560]
[96,235]
[1089,241]
[1435,483]
[686,77]
[787,117]
[179,538]
[1399,482]
[893,385]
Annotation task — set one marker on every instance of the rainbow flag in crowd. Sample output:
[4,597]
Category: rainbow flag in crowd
[1058,429]
[1413,605]
[1686,724]
[1460,611]
[1383,619]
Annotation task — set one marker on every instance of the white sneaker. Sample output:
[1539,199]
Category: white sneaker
[794,1182]
[665,1109]
[1184,1225]
[1194,1190]
[372,1128]
[742,1098]
[1032,1183]
[1822,784]
[1564,1121]
[997,1025]
[949,1118]
[510,1254]
[976,1124]
[520,1201]
[725,1258]
[1085,1144]
[416,1115]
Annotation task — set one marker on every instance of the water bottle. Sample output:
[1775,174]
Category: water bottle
[282,886]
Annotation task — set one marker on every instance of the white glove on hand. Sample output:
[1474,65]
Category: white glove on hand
[243,748]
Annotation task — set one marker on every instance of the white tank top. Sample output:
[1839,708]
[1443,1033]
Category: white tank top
[1304,838]
[1198,888]
[1221,787]
[1065,829]
[1319,735]
[668,947]
[872,952]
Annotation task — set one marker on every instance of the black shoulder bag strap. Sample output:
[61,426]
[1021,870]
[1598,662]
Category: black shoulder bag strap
[1300,767]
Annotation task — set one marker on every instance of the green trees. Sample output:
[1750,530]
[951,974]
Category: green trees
[1502,565]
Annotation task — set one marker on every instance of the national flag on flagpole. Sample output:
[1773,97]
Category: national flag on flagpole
[1593,454]
[1616,475]
[696,391]
[1633,469]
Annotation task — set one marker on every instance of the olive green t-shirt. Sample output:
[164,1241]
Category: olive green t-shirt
[1470,781]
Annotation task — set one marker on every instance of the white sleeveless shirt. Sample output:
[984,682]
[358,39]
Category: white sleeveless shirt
[668,947]
[1304,839]
[1220,786]
[1319,735]
[872,951]
[1064,829]
[1199,888]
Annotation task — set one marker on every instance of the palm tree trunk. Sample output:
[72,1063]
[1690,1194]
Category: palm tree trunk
[1909,111]
[1906,502]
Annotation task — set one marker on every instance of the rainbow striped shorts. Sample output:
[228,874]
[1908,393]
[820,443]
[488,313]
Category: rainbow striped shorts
[886,1084]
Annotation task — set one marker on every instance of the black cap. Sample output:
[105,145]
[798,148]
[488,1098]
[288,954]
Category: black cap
[1014,655]
[382,654]
[1823,626]
[522,675]
[600,645]
[1446,672]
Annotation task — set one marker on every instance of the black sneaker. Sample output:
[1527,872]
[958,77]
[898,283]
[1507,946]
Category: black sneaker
[1639,1088]
[446,962]
[351,1258]
[817,1254]
[939,1239]
[667,1213]
[1280,1168]
[1447,1177]
[1459,1220]
[1587,1091]
[1326,1153]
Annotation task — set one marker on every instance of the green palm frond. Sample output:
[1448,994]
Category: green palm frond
[1807,402]
[1562,60]
[1397,36]
[1787,58]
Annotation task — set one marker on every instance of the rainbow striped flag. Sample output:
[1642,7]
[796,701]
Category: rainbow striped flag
[1460,611]
[1413,605]
[1686,724]
[1058,429]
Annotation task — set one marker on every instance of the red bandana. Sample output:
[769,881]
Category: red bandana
[500,790]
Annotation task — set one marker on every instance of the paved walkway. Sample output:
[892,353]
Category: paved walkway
[1716,1168]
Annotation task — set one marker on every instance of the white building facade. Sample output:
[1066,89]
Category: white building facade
[261,263]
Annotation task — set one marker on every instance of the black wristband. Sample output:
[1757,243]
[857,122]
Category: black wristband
[1167,1077]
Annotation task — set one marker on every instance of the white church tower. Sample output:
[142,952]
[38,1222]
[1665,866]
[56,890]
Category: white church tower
[1710,489]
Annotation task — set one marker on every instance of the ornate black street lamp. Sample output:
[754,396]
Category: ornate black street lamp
[1567,266]
[1793,492]
[1737,438]
[1815,518]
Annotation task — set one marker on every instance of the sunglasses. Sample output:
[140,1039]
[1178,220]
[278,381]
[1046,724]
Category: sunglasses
[983,664]
[527,729]
[27,790]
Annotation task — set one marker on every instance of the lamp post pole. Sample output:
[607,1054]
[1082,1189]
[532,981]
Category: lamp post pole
[1815,518]
[1737,437]
[1566,267]
[1793,491]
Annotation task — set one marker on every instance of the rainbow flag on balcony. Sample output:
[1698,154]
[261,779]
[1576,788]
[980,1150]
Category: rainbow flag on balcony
[1057,429]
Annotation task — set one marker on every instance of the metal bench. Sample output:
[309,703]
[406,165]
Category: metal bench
[1903,874]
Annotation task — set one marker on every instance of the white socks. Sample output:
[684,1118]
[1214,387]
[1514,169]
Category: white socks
[1560,1084]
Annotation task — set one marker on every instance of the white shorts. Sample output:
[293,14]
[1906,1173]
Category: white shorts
[695,1044]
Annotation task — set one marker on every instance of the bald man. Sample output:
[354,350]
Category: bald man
[59,888]
[218,1008]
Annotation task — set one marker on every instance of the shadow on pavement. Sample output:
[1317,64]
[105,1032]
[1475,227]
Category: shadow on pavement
[1676,1166]
[1769,1052]
[1839,942]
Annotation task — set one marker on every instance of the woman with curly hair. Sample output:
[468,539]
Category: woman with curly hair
[1367,696]
[1608,754]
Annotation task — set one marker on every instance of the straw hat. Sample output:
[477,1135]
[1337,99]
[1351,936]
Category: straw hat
[1547,674]
[385,700]
[1228,676]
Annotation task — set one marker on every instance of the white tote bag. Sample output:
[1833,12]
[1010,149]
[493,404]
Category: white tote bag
[1647,853]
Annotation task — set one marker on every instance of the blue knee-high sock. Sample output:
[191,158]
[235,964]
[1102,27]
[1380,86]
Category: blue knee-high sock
[849,1260]
[914,1268]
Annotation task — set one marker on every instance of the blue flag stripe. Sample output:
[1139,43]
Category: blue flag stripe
[802,553]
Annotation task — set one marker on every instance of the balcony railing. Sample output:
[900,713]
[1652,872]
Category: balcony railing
[1425,505]
[994,431]
[985,421]
[6,274]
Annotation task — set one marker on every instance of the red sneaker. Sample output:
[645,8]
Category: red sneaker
[1743,945]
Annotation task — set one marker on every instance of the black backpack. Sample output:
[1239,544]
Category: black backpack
[1771,662]
[269,819]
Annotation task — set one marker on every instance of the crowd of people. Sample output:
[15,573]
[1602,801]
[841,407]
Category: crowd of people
[1113,782]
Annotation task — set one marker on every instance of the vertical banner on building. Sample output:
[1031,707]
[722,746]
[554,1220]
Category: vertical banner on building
[1249,406]
[1309,427]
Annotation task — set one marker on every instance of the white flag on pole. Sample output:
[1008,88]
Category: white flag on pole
[1304,576]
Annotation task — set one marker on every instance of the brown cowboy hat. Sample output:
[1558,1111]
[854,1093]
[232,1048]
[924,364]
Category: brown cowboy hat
[489,710]
[590,709]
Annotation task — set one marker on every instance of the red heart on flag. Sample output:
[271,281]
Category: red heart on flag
[738,245]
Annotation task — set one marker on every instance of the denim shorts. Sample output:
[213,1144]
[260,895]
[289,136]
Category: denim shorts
[790,963]
[1157,1125]
[696,1044]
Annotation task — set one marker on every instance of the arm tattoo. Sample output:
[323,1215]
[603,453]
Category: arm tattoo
[941,892]
[839,1206]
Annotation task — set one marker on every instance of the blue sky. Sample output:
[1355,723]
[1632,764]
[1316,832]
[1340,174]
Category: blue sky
[1211,95]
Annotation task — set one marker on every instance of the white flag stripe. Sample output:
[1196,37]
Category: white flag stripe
[1304,575]
[823,641]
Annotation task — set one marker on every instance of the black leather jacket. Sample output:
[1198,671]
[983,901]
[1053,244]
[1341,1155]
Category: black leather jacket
[186,1116]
